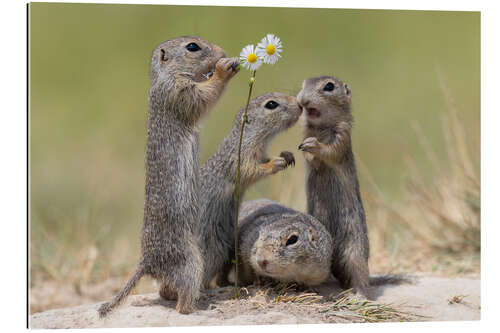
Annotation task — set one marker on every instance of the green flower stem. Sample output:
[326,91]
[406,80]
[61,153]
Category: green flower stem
[238,175]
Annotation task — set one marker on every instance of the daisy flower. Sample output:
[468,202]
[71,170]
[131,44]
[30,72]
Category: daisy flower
[269,49]
[249,58]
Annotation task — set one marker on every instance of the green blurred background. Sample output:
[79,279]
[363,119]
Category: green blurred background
[88,106]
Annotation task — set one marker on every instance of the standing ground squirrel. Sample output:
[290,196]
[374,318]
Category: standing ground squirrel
[280,243]
[188,75]
[332,184]
[268,115]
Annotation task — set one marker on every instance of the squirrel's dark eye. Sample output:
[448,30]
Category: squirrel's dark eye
[193,47]
[292,240]
[329,87]
[271,105]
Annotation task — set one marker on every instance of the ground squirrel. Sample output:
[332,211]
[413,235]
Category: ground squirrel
[270,250]
[268,115]
[283,244]
[332,184]
[188,75]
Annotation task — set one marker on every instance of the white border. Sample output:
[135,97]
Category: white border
[13,172]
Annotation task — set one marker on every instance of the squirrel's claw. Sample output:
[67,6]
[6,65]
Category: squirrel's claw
[289,158]
[235,66]
[225,67]
[310,144]
[278,164]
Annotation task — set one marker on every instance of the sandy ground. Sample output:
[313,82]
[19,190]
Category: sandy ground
[426,299]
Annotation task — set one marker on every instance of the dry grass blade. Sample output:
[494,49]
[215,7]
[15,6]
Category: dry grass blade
[353,308]
[441,216]
[287,292]
[457,299]
[306,299]
[281,288]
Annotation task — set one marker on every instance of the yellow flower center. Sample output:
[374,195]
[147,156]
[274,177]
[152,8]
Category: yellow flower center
[270,49]
[252,58]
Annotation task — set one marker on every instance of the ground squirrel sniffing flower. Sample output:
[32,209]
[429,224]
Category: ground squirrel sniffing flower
[188,75]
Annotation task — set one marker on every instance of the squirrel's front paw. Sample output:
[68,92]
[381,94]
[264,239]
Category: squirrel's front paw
[226,68]
[278,164]
[310,144]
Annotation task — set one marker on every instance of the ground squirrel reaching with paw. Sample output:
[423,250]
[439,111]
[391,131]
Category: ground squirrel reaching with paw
[268,115]
[188,75]
[332,188]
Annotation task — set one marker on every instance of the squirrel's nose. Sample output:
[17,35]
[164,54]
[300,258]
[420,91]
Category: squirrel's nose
[262,263]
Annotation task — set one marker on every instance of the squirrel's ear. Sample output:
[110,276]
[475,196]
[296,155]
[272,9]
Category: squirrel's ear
[163,56]
[313,234]
[347,89]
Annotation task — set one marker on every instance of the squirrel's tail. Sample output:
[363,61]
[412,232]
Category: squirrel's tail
[378,280]
[106,308]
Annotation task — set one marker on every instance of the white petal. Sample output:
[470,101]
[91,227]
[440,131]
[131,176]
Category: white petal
[246,51]
[261,52]
[261,47]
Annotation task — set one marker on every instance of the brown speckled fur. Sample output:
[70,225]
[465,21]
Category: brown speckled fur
[332,184]
[265,226]
[180,94]
[218,175]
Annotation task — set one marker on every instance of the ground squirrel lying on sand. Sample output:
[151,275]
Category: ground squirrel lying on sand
[279,243]
[188,75]
[332,184]
[268,115]
[283,244]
